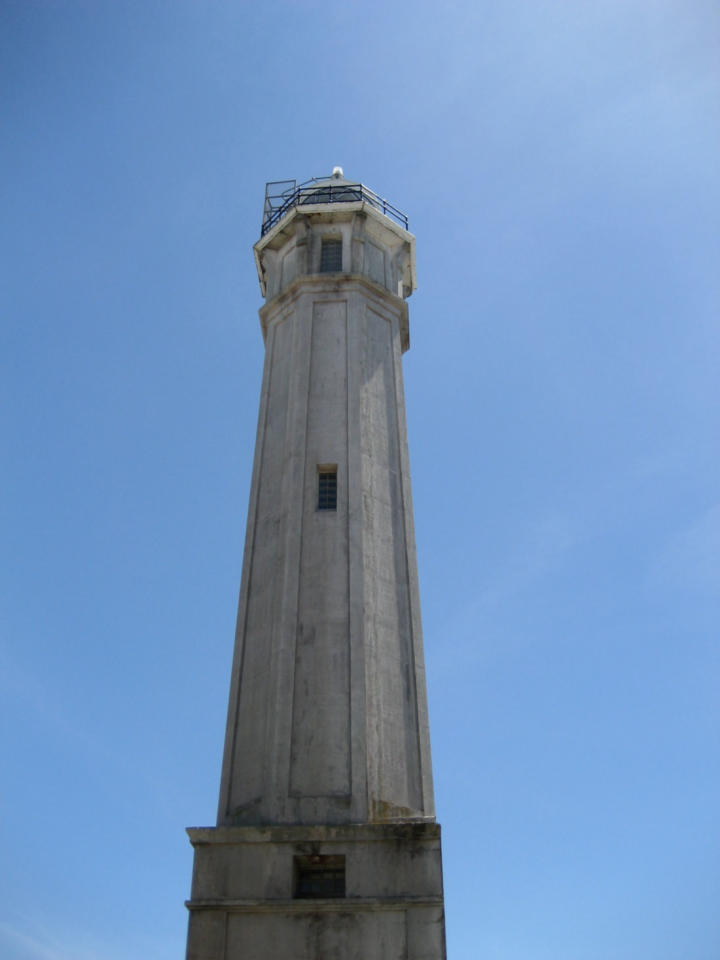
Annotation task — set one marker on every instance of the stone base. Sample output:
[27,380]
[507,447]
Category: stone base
[245,898]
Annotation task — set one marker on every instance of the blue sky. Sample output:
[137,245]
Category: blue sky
[558,162]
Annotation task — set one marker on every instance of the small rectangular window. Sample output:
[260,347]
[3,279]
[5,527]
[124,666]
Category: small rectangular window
[319,877]
[327,488]
[331,256]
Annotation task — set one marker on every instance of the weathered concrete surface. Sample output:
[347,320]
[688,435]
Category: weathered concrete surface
[327,749]
[328,720]
[242,902]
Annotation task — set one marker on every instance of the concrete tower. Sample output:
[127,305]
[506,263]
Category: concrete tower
[326,846]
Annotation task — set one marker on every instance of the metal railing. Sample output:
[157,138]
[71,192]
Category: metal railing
[281,195]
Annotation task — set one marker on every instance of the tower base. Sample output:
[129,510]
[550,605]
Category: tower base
[354,892]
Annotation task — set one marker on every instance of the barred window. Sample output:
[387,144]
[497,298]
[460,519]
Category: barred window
[331,256]
[327,488]
[319,877]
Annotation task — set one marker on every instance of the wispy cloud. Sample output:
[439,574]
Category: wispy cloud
[690,560]
[65,722]
[23,946]
[543,546]
[31,942]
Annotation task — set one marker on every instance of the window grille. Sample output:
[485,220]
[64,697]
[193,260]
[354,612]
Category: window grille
[331,256]
[319,877]
[327,489]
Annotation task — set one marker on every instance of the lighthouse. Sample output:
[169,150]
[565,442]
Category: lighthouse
[326,845]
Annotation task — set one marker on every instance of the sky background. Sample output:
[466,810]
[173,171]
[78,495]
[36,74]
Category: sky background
[559,164]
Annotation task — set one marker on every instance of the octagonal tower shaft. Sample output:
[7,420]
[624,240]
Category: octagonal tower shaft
[327,721]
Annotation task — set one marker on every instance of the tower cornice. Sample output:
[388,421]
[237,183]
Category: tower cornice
[376,226]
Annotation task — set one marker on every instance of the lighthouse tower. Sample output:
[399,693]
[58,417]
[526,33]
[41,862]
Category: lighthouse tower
[326,845]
